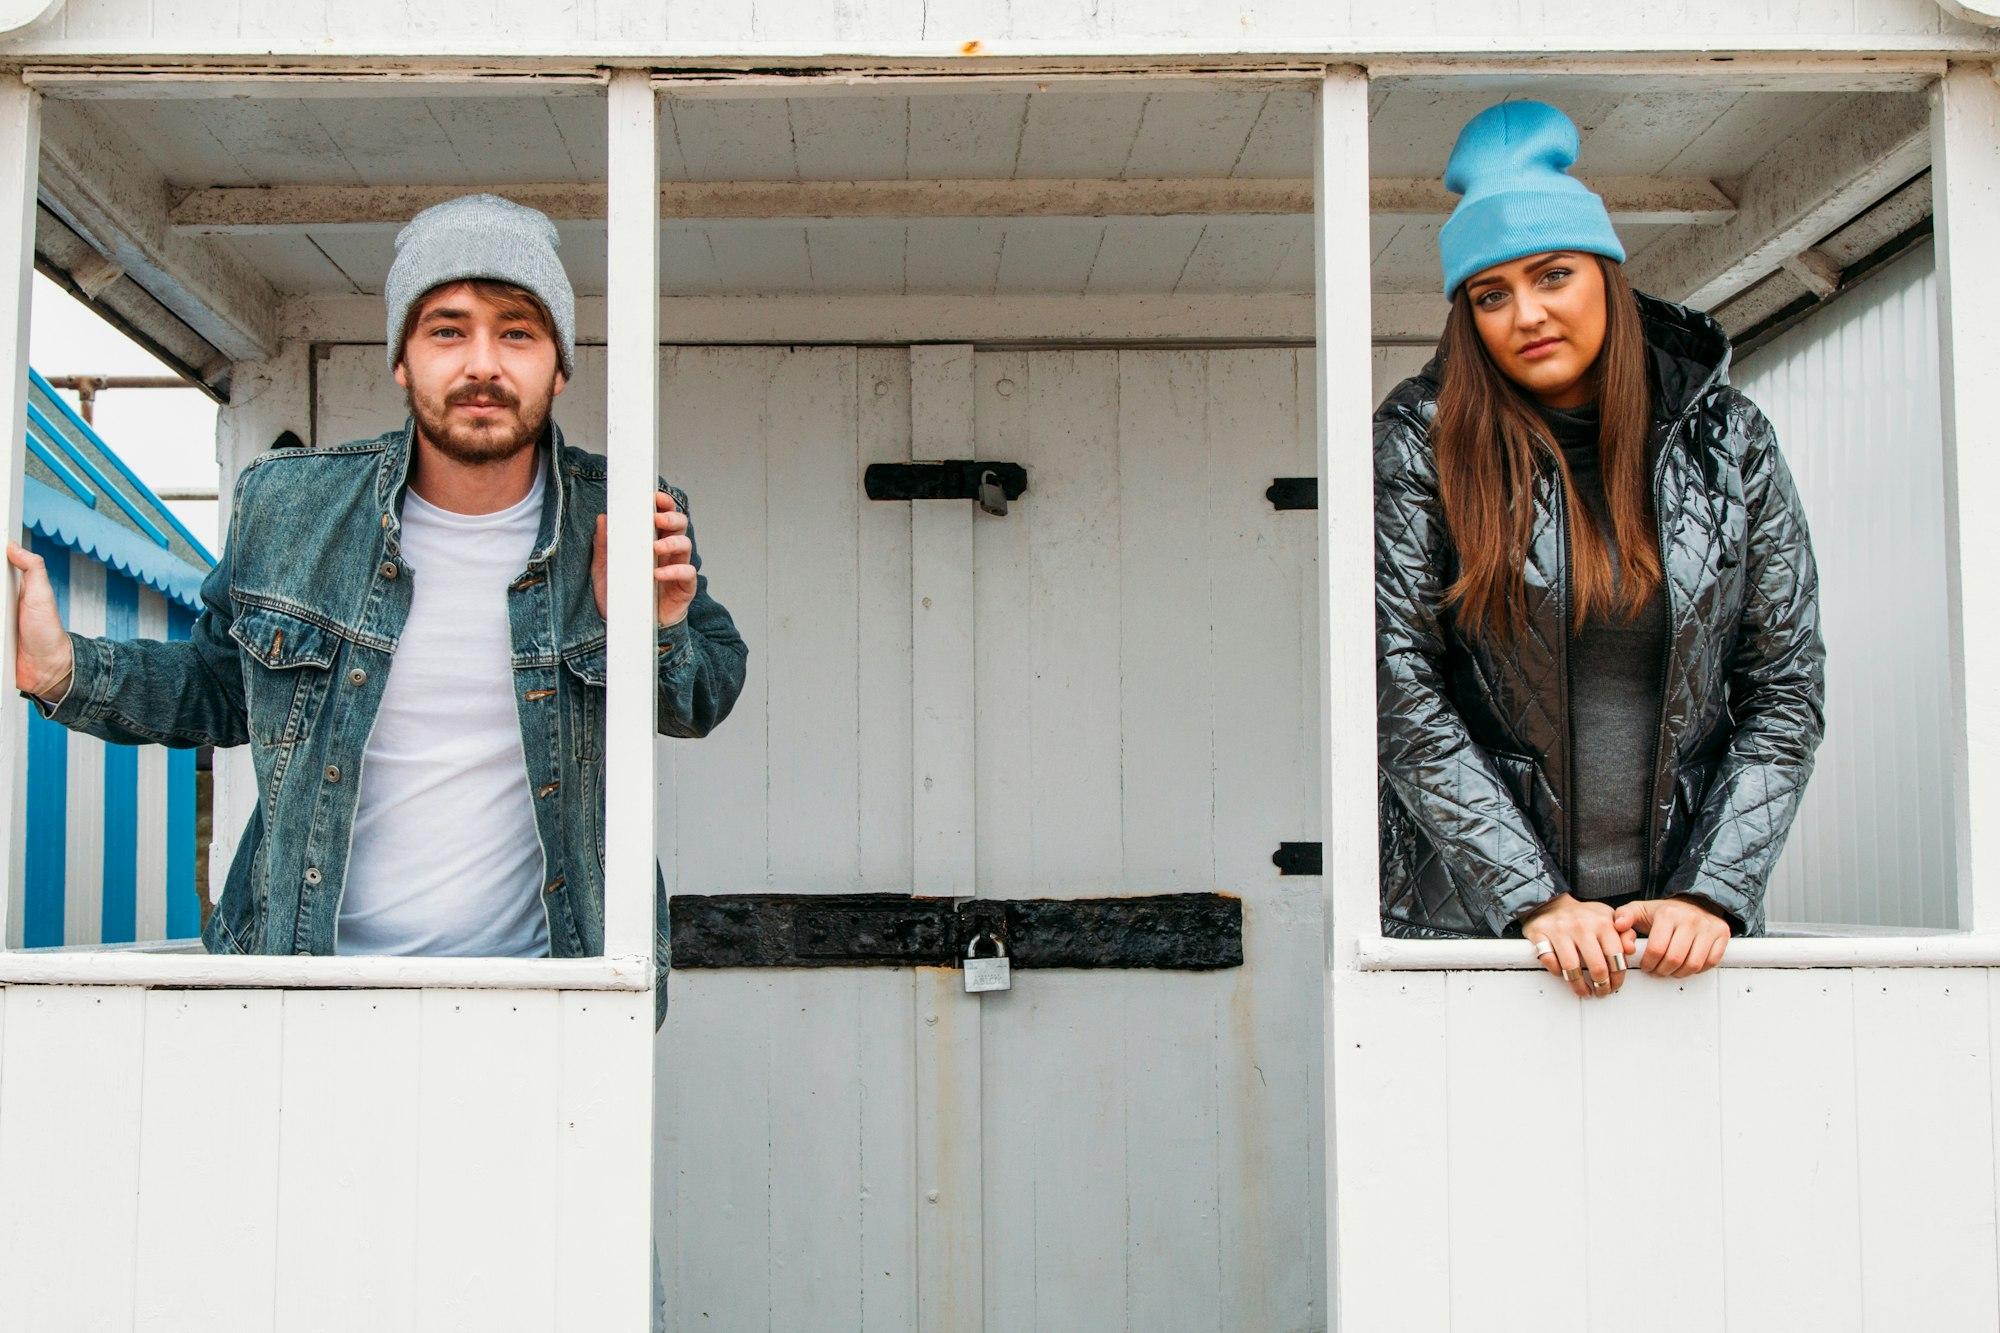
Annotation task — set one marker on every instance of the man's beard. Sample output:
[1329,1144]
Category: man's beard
[479,442]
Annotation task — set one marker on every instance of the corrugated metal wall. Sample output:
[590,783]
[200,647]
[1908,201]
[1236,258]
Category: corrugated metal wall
[1853,392]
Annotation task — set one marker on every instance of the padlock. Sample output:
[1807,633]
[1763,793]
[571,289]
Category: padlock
[987,974]
[993,499]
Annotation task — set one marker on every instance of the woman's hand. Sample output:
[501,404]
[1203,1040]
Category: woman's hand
[1683,938]
[1586,945]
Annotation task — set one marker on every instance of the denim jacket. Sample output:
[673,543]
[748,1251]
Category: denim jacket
[291,652]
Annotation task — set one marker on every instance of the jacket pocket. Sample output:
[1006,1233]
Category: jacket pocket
[285,663]
[1523,776]
[1691,786]
[1691,780]
[586,713]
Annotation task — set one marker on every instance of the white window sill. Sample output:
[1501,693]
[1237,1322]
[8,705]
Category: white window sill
[176,964]
[1943,949]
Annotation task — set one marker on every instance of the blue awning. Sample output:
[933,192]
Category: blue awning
[65,519]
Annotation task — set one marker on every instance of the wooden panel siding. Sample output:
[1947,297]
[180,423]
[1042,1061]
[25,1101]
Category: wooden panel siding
[1750,1131]
[256,1159]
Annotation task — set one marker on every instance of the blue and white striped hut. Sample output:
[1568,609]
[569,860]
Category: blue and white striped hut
[110,829]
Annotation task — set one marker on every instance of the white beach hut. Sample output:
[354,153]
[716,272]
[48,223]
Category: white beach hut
[1143,269]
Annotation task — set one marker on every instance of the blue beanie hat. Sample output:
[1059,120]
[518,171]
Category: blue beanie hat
[1511,165]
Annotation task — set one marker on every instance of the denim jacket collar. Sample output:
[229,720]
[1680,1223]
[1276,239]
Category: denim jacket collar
[392,481]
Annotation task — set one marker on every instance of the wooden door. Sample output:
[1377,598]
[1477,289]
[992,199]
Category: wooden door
[1109,691]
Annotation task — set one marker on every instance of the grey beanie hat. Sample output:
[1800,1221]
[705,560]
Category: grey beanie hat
[480,236]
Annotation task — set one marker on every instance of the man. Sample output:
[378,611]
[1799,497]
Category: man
[409,632]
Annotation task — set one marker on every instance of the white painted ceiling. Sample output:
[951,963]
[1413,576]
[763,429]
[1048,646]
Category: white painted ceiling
[487,139]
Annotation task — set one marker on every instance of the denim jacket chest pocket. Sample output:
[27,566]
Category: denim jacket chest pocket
[584,712]
[286,662]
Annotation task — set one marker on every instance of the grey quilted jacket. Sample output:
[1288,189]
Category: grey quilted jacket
[1474,739]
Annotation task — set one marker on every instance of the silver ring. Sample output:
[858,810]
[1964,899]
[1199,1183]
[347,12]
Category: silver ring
[1543,948]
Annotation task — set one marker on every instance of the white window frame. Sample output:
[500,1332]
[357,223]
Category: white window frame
[1965,137]
[1965,128]
[632,375]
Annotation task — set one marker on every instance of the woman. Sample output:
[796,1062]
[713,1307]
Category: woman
[1601,670]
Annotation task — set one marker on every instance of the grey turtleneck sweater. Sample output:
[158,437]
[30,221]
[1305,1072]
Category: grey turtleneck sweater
[1615,699]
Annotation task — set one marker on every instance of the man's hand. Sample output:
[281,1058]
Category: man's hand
[673,567]
[42,658]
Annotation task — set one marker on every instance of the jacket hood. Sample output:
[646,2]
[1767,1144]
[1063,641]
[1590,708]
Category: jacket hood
[1689,355]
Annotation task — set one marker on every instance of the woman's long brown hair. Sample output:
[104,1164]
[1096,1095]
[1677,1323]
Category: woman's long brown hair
[1491,441]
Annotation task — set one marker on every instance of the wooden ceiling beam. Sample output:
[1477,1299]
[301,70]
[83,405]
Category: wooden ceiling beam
[1798,193]
[227,210]
[103,189]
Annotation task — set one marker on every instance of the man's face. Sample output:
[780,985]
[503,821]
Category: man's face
[480,372]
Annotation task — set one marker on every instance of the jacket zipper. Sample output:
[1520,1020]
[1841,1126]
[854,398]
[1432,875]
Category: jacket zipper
[1569,696]
[1666,660]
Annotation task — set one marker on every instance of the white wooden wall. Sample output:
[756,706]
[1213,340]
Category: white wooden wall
[1853,393]
[1755,1149]
[1147,660]
[374,27]
[310,1160]
[1112,1146]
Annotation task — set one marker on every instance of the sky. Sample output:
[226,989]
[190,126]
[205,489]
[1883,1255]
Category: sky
[167,436]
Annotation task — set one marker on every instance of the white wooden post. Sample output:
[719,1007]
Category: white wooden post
[632,361]
[1965,187]
[20,148]
[615,1247]
[1346,562]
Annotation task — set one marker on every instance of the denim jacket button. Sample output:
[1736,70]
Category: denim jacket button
[388,569]
[312,874]
[333,772]
[357,677]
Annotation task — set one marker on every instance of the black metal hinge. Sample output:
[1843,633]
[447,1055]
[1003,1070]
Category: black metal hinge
[1175,931]
[952,480]
[1293,493]
[1297,858]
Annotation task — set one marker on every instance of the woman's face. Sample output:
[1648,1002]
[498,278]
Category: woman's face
[1542,321]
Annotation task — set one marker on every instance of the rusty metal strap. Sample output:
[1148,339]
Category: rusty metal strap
[1172,931]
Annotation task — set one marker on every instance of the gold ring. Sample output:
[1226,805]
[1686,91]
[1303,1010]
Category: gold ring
[1572,973]
[1618,962]
[1595,984]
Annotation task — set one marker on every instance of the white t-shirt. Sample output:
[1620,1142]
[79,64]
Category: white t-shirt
[445,859]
